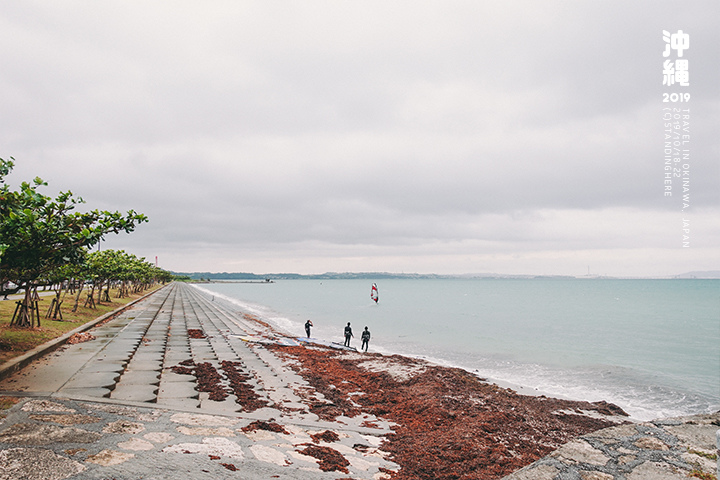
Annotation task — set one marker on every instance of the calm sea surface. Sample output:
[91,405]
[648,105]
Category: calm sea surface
[650,346]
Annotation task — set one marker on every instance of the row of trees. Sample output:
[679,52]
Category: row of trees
[44,241]
[100,271]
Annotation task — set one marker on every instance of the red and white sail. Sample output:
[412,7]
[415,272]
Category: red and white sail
[374,293]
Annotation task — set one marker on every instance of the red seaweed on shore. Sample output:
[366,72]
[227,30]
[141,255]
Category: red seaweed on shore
[327,436]
[208,380]
[451,425]
[262,425]
[207,377]
[244,393]
[195,333]
[186,367]
[330,459]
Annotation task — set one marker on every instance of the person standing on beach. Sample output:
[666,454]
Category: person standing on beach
[308,324]
[365,339]
[348,334]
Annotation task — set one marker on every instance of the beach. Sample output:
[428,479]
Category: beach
[648,346]
[178,386]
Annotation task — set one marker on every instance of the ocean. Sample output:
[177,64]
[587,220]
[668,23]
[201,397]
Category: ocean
[650,346]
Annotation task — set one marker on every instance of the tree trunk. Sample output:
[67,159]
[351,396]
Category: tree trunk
[90,302]
[27,310]
[54,310]
[77,297]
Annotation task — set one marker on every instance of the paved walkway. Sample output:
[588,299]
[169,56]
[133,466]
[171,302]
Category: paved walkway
[117,408]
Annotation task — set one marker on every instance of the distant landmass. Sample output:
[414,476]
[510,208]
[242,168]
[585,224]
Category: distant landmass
[296,276]
[702,274]
[244,276]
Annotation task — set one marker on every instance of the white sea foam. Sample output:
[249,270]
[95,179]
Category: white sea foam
[282,324]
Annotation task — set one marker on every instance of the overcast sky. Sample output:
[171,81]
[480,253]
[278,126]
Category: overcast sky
[402,136]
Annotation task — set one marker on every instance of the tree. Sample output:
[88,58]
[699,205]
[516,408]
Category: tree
[39,234]
[104,267]
[124,270]
[61,279]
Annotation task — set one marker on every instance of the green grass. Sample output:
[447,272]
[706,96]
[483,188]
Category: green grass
[15,341]
[8,402]
[702,475]
[709,456]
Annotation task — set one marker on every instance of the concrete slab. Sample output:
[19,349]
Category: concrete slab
[177,390]
[178,403]
[93,379]
[174,359]
[142,357]
[140,377]
[98,367]
[134,393]
[145,363]
[82,392]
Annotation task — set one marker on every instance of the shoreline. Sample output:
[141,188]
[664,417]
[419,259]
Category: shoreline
[280,331]
[465,426]
[228,302]
[638,393]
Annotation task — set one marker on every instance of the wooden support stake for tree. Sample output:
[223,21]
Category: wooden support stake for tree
[35,307]
[77,297]
[54,311]
[15,319]
[90,302]
[50,310]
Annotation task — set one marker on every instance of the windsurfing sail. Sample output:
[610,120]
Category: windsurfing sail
[374,293]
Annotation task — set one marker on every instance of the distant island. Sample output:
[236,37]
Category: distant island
[269,277]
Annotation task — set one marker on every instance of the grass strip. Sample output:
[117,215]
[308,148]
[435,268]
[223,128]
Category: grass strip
[16,341]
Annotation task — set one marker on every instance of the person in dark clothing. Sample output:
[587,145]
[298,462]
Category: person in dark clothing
[365,339]
[348,335]
[308,324]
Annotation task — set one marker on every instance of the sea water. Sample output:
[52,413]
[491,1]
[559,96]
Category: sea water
[650,346]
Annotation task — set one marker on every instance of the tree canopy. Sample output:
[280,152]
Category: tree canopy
[39,234]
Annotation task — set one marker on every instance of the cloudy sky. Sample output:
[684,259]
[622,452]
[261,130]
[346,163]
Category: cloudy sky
[403,136]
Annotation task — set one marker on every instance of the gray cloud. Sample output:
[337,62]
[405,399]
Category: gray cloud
[449,137]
